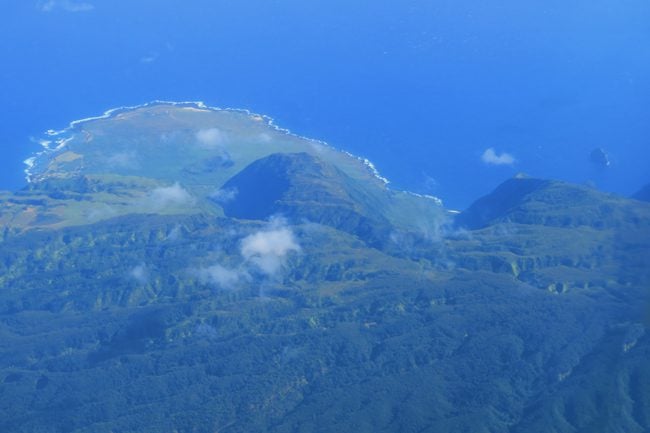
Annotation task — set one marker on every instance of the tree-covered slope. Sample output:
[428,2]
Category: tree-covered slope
[291,291]
[546,202]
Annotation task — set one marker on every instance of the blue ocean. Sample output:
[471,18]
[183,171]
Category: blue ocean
[447,98]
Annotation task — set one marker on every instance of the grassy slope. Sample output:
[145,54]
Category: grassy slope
[347,338]
[136,151]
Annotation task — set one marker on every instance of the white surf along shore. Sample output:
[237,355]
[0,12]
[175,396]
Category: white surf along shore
[57,140]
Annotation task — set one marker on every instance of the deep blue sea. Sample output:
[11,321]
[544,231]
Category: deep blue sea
[446,97]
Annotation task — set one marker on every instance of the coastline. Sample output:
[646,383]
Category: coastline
[60,138]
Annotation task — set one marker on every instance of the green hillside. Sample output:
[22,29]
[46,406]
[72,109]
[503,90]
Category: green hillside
[175,268]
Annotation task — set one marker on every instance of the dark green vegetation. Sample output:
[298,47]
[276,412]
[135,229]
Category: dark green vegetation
[133,303]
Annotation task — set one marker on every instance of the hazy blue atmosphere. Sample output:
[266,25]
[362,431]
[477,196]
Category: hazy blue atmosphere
[421,88]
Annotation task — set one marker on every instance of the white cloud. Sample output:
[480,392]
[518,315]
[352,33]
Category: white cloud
[124,160]
[224,195]
[211,138]
[100,211]
[174,195]
[222,277]
[65,5]
[140,273]
[174,234]
[149,58]
[491,157]
[264,137]
[205,330]
[264,251]
[268,249]
[429,183]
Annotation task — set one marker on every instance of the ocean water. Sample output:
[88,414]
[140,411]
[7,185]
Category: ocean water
[423,88]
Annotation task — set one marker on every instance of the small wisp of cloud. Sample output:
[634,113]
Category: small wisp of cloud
[174,234]
[64,5]
[490,157]
[149,58]
[140,274]
[262,256]
[100,211]
[224,195]
[264,137]
[127,160]
[166,196]
[269,248]
[210,138]
[222,277]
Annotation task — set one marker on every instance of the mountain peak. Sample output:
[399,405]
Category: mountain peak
[528,200]
[267,185]
[305,187]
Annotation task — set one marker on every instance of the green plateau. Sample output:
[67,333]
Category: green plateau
[177,268]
